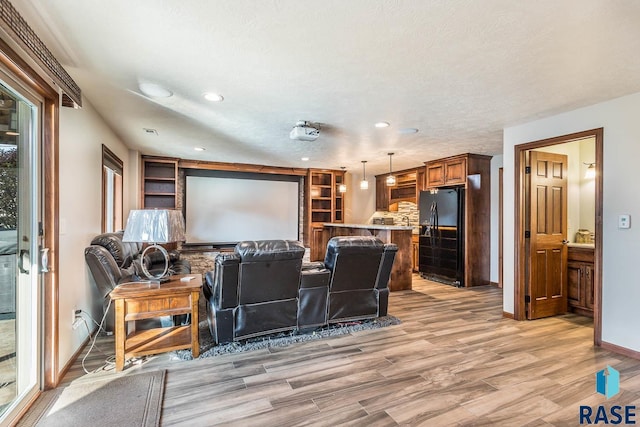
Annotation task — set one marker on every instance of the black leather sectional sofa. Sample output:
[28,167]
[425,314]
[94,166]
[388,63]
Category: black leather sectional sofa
[263,286]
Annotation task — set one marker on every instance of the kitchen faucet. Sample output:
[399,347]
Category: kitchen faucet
[406,220]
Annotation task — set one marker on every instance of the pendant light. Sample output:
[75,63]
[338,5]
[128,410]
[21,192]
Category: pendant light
[391,180]
[342,187]
[364,184]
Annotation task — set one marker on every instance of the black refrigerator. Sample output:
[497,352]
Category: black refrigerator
[441,242]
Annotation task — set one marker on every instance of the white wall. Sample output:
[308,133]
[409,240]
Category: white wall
[620,291]
[81,134]
[496,164]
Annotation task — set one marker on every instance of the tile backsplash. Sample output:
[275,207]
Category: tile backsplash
[405,209]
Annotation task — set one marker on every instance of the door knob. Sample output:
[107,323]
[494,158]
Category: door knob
[564,242]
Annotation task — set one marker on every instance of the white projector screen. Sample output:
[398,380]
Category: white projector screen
[226,209]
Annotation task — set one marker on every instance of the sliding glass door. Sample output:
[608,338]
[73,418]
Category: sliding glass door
[20,251]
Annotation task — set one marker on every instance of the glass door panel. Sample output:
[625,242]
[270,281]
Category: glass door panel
[19,247]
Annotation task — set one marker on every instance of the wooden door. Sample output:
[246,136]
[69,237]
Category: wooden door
[548,231]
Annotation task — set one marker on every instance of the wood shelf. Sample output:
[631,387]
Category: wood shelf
[157,178]
[159,182]
[148,341]
[324,204]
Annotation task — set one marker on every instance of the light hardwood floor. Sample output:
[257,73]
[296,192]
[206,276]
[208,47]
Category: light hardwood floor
[454,360]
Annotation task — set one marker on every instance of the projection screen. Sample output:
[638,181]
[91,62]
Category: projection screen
[231,207]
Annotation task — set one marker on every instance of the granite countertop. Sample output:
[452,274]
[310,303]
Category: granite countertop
[582,245]
[371,226]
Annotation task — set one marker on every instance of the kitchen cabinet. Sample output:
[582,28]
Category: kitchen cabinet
[409,183]
[580,279]
[415,245]
[449,171]
[382,193]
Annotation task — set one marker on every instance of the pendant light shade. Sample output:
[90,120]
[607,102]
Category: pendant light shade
[342,188]
[364,184]
[391,180]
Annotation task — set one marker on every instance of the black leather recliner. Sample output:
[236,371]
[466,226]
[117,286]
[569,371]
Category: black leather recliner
[360,269]
[112,262]
[254,290]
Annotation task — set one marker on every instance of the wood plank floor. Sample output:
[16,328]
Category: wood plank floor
[454,360]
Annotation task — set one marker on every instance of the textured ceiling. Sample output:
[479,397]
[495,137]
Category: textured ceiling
[459,71]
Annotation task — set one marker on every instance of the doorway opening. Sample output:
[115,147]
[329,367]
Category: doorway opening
[548,262]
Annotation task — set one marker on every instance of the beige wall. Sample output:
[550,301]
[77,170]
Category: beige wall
[82,133]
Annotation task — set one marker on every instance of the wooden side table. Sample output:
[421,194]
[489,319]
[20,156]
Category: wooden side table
[144,300]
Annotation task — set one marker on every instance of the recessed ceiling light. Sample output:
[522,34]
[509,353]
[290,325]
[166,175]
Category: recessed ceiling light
[153,90]
[213,97]
[198,148]
[305,159]
[382,125]
[407,131]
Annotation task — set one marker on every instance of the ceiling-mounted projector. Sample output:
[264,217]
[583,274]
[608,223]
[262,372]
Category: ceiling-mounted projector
[305,131]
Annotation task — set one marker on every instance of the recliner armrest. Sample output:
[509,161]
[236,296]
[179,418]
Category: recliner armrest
[312,265]
[384,272]
[315,277]
[223,281]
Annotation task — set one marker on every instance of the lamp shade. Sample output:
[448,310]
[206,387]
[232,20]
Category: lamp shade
[154,226]
[590,173]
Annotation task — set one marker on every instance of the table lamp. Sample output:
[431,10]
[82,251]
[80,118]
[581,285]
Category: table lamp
[154,226]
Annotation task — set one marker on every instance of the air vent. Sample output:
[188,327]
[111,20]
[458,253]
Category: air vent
[150,131]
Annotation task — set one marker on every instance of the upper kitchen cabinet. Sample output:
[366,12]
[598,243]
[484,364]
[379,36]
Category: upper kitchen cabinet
[382,193]
[409,183]
[454,170]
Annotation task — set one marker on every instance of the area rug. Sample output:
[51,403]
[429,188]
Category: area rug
[129,400]
[282,339]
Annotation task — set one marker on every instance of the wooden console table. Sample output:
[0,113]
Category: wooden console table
[145,300]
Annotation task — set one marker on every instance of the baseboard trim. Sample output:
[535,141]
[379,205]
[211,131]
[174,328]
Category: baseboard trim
[507,315]
[73,358]
[620,350]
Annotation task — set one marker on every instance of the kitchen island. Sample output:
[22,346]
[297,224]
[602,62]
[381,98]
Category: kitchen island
[398,234]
